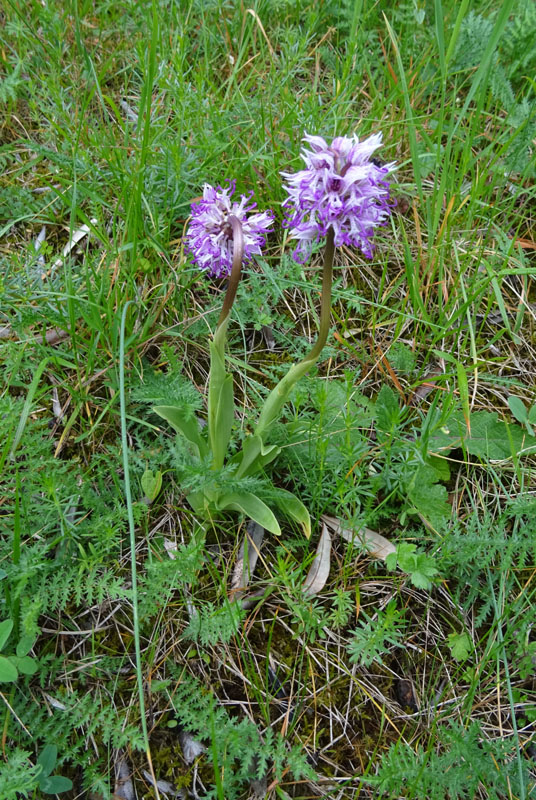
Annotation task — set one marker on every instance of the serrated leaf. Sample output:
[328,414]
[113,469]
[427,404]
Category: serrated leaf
[490,437]
[387,410]
[186,426]
[47,759]
[440,467]
[8,671]
[151,483]
[460,645]
[319,569]
[252,506]
[5,629]
[429,498]
[517,407]
[55,784]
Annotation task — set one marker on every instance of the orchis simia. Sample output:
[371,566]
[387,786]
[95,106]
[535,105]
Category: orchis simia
[342,195]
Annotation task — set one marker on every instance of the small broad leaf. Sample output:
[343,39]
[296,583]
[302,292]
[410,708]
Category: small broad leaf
[5,629]
[24,645]
[294,508]
[151,483]
[376,544]
[187,426]
[460,645]
[26,665]
[531,417]
[252,506]
[517,407]
[55,784]
[47,760]
[319,569]
[8,671]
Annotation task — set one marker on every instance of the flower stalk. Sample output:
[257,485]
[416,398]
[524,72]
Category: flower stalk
[236,268]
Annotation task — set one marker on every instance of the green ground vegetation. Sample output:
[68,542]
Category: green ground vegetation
[134,659]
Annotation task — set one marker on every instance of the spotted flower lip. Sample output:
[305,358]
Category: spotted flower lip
[209,237]
[341,188]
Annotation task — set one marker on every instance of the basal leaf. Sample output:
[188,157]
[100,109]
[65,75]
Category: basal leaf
[255,455]
[252,506]
[294,508]
[187,426]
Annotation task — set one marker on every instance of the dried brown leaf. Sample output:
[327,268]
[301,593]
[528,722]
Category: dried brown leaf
[376,544]
[319,569]
[246,559]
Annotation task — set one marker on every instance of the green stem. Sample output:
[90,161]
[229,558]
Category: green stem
[325,307]
[236,269]
[280,393]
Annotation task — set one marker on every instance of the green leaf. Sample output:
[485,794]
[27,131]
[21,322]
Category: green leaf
[151,483]
[5,629]
[460,645]
[294,508]
[220,399]
[463,388]
[440,467]
[24,645]
[387,410]
[419,566]
[255,455]
[55,784]
[47,760]
[490,437]
[532,414]
[429,498]
[26,665]
[273,405]
[252,506]
[517,407]
[8,671]
[187,426]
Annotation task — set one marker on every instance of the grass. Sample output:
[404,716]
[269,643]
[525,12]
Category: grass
[413,679]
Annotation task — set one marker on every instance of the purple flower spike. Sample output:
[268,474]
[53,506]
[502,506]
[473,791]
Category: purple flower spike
[209,237]
[340,188]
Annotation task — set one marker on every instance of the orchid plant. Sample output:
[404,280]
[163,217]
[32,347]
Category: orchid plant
[342,195]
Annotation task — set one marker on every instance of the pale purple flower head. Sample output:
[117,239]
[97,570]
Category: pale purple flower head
[340,188]
[209,237]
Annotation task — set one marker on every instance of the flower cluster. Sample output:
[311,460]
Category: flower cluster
[341,188]
[209,237]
